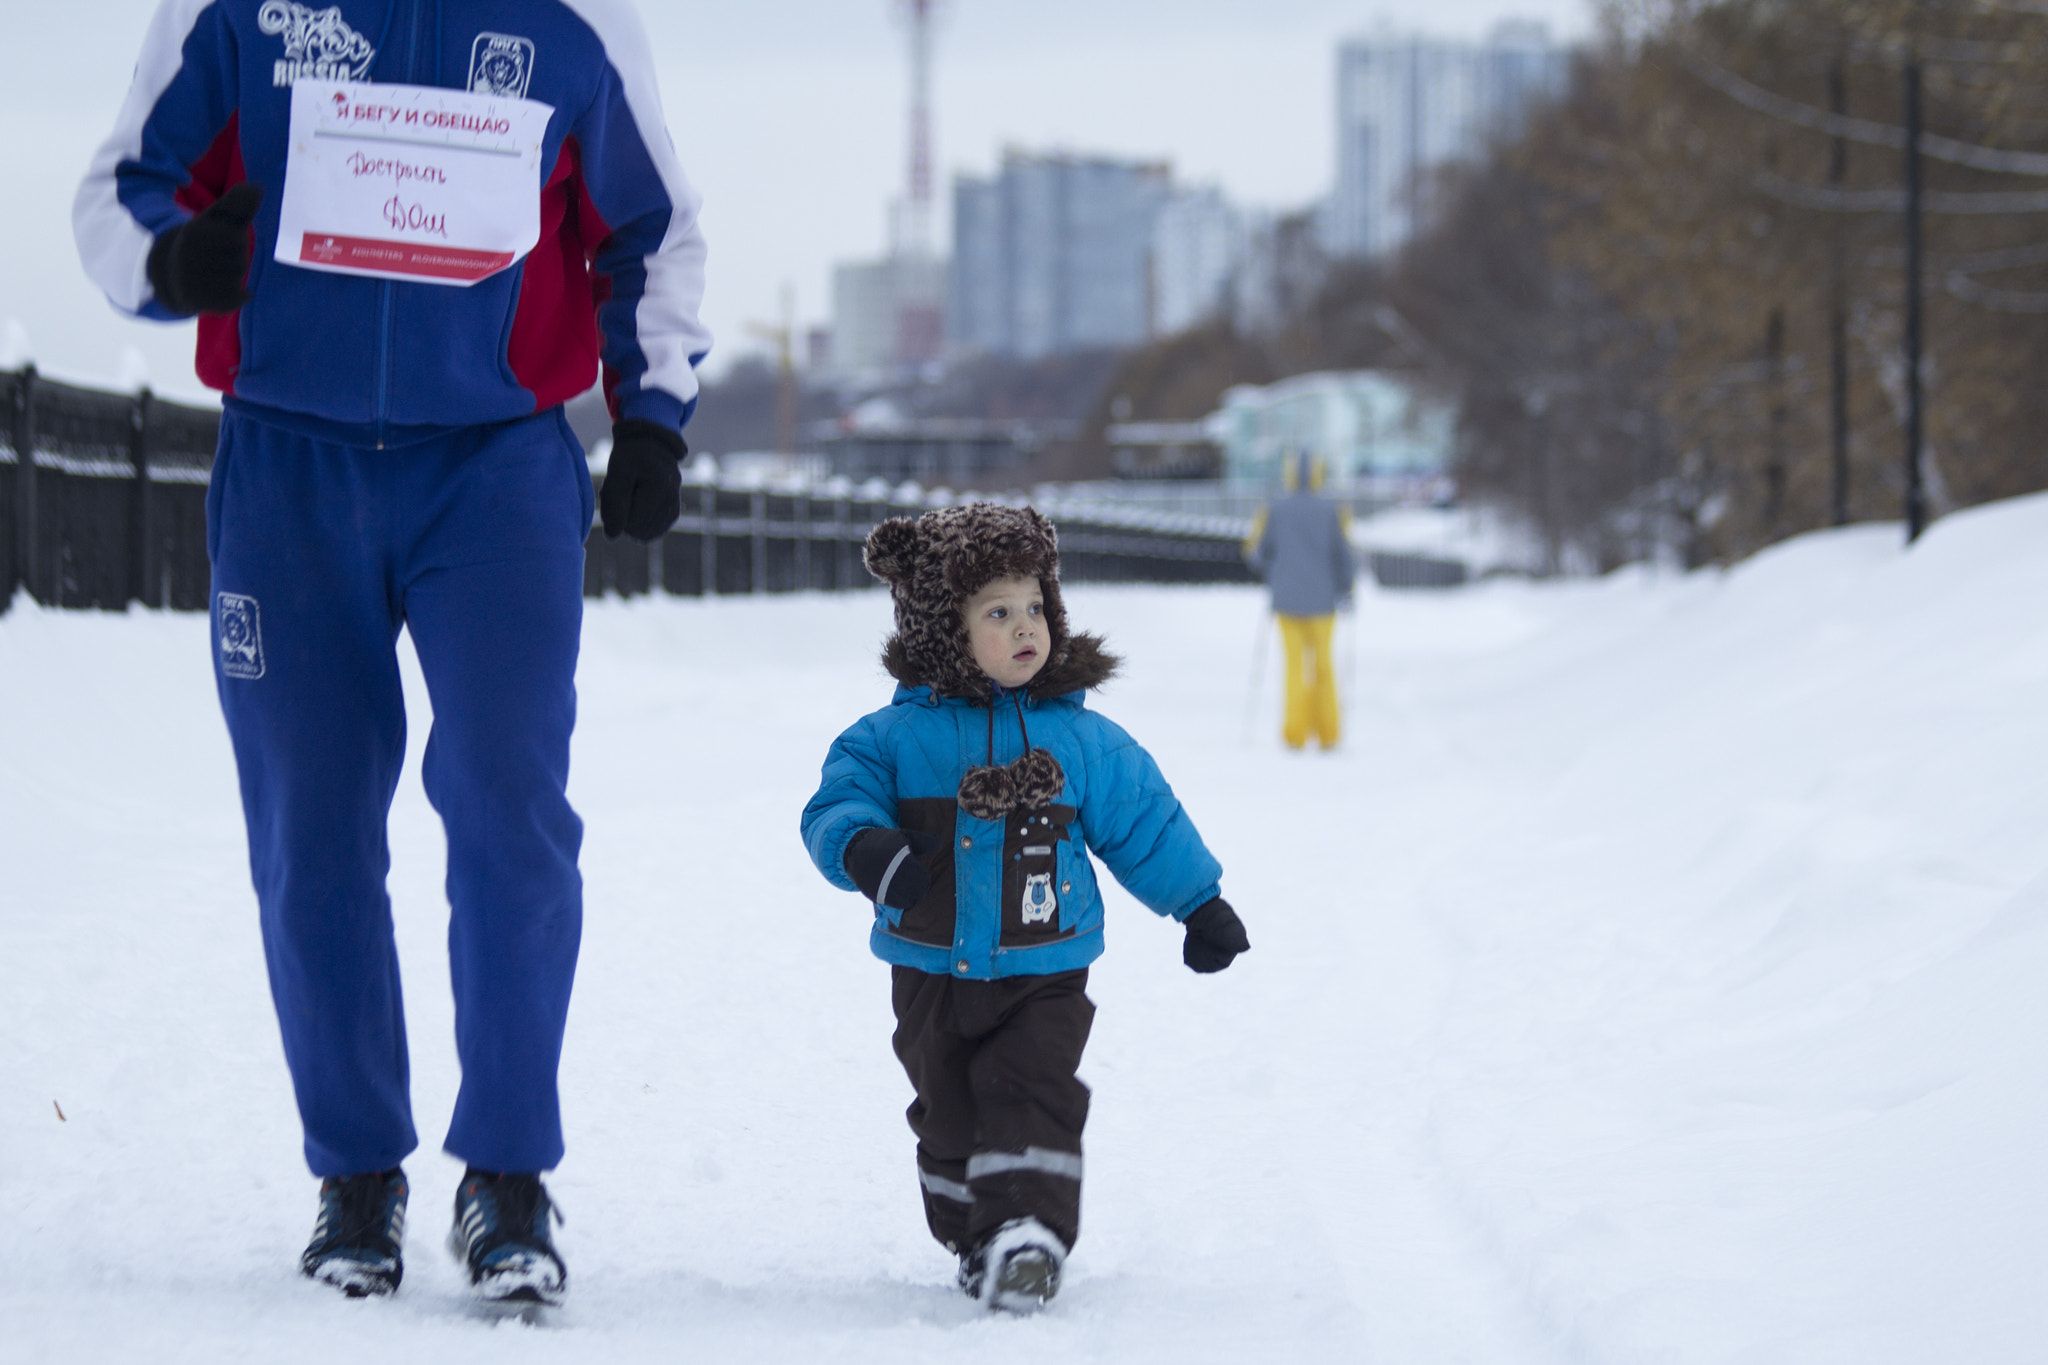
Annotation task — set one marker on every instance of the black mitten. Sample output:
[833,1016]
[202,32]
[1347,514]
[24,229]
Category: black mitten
[1215,937]
[884,864]
[201,265]
[643,484]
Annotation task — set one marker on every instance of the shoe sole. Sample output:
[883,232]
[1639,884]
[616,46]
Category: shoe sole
[355,1279]
[514,1288]
[1025,1283]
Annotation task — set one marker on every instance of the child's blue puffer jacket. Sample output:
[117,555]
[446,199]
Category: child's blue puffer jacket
[1015,896]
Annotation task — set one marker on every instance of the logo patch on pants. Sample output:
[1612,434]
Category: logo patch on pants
[240,622]
[1040,905]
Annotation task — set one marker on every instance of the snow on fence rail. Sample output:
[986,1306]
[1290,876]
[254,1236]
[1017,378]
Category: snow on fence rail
[103,502]
[102,496]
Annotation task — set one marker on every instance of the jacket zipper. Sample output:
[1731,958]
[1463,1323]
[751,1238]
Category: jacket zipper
[385,288]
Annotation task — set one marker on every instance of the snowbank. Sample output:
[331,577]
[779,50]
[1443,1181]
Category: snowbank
[1473,535]
[1653,976]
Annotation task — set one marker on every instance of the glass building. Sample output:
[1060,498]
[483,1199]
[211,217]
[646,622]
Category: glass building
[1407,105]
[1053,255]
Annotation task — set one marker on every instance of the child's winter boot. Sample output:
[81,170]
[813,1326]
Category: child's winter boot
[1019,1267]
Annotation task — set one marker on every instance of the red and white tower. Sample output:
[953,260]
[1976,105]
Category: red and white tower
[920,300]
[916,224]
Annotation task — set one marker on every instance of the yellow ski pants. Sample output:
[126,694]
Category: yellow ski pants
[1311,680]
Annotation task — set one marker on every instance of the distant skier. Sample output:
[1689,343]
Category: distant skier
[966,810]
[393,456]
[1300,546]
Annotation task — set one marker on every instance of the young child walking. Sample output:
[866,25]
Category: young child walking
[966,810]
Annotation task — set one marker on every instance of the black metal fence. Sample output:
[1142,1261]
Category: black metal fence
[740,540]
[102,496]
[103,503]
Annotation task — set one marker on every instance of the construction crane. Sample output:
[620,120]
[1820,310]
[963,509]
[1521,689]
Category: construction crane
[782,336]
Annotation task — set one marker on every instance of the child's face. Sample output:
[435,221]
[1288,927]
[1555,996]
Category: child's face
[1006,626]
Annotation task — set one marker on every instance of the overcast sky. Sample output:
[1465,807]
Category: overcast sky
[789,116]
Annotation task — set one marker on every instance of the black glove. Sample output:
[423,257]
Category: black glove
[643,484]
[884,864]
[201,265]
[1215,937]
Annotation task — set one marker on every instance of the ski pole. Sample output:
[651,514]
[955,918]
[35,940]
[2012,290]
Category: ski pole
[1347,685]
[1258,672]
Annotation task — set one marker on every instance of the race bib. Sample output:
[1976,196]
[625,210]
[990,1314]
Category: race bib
[409,182]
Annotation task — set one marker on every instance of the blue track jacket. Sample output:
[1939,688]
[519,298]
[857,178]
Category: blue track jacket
[618,271]
[1017,896]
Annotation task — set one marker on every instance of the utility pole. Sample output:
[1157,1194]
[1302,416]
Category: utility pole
[1916,496]
[1838,308]
[1775,474]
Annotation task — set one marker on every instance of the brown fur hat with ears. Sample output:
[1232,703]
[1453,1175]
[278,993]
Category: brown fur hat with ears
[935,562]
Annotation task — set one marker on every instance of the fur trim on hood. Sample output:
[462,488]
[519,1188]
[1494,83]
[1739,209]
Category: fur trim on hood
[935,562]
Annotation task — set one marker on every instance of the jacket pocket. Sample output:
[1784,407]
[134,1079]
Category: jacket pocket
[1033,884]
[931,921]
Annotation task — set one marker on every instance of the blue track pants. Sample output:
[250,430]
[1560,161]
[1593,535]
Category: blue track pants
[473,541]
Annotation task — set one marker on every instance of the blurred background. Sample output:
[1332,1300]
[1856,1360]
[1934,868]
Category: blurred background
[1643,280]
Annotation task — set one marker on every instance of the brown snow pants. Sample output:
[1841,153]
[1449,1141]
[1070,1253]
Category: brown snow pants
[999,1110]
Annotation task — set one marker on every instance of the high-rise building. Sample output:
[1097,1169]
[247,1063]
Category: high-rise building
[1053,254]
[864,317]
[885,315]
[1407,105]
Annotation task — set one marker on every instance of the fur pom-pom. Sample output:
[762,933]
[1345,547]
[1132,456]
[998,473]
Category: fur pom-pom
[1027,783]
[1039,779]
[892,549]
[988,793]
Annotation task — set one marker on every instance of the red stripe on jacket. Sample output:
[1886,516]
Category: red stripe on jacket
[554,349]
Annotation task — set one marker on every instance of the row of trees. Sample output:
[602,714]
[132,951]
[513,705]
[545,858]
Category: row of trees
[1679,309]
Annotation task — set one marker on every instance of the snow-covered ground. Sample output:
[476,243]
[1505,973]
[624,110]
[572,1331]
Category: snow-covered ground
[1656,975]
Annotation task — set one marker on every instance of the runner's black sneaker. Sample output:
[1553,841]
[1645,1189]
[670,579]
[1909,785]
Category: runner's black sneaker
[501,1235]
[356,1243]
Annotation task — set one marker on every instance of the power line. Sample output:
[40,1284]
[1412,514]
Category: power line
[1863,130]
[1888,200]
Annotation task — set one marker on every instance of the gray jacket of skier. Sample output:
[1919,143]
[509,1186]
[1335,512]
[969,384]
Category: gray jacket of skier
[1302,554]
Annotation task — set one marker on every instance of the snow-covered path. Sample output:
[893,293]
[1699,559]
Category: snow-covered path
[1654,976]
